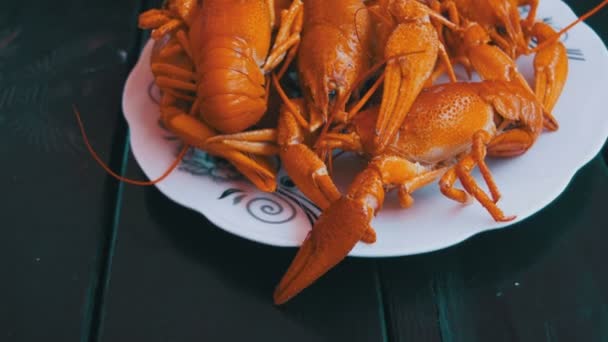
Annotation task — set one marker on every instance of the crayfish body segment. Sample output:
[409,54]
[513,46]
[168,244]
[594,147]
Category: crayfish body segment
[212,69]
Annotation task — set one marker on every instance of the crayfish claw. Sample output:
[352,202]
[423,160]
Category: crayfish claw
[334,235]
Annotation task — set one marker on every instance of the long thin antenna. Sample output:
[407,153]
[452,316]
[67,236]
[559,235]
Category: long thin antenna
[119,177]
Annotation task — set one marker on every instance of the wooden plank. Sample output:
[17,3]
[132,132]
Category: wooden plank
[408,298]
[56,201]
[542,279]
[175,277]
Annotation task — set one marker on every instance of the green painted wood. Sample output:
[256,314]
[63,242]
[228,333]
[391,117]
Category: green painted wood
[56,201]
[541,279]
[408,298]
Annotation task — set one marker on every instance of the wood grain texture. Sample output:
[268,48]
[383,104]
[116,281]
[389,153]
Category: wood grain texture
[56,201]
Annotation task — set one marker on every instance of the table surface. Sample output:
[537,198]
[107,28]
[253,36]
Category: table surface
[85,258]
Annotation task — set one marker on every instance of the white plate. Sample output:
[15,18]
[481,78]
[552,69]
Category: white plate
[528,183]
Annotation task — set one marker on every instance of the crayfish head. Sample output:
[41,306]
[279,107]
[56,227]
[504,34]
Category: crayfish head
[327,72]
[320,97]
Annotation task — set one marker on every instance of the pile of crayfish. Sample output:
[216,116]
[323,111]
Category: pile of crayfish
[369,78]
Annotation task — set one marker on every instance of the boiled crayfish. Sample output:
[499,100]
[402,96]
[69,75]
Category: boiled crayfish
[211,62]
[333,56]
[500,19]
[448,131]
[410,50]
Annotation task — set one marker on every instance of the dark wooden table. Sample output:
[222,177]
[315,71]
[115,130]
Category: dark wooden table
[85,258]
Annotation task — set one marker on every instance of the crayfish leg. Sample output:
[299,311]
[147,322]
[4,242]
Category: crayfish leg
[287,37]
[462,171]
[305,168]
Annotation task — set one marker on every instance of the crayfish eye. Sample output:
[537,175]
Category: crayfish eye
[332,95]
[292,85]
[501,30]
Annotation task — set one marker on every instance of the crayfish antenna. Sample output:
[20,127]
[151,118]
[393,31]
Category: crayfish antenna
[117,176]
[360,103]
[571,25]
